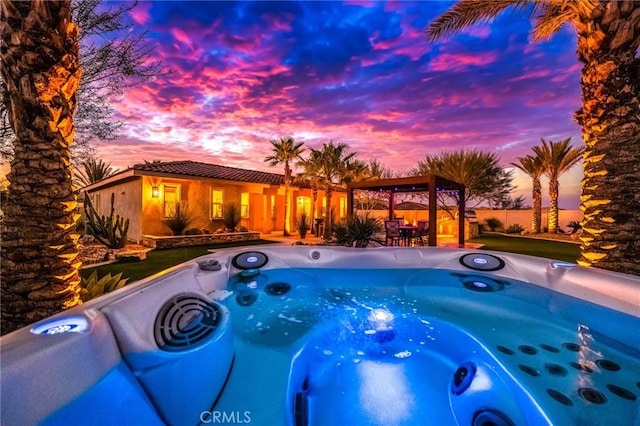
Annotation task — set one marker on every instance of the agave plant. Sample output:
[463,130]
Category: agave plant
[93,286]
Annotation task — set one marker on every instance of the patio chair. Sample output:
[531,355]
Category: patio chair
[392,230]
[421,232]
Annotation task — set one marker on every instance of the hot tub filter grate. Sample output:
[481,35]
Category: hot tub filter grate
[186,321]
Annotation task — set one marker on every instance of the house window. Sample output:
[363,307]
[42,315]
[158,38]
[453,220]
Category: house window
[324,206]
[171,200]
[273,207]
[343,206]
[244,204]
[304,205]
[217,198]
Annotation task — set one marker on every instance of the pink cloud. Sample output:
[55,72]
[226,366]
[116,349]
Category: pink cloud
[461,61]
[141,14]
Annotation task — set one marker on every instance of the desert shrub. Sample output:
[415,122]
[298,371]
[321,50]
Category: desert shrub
[303,225]
[243,229]
[192,231]
[493,223]
[575,226]
[359,231]
[340,234]
[231,216]
[514,229]
[183,217]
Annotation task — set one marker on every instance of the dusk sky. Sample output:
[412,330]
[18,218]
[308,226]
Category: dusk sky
[356,72]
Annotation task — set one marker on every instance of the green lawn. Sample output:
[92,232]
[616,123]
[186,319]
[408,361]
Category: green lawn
[543,248]
[159,260]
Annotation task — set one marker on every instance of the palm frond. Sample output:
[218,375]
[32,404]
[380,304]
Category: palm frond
[531,165]
[466,13]
[552,17]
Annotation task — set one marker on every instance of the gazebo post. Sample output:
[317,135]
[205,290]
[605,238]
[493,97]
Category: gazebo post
[392,201]
[433,212]
[461,214]
[350,203]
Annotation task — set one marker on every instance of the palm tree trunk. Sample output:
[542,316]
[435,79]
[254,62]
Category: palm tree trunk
[328,218]
[537,206]
[287,206]
[314,201]
[39,247]
[611,131]
[554,189]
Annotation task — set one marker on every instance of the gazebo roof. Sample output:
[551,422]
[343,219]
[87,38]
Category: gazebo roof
[408,184]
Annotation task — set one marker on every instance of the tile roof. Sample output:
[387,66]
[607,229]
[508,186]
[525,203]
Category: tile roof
[208,170]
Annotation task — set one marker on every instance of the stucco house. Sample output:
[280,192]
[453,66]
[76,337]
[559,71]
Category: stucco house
[148,193]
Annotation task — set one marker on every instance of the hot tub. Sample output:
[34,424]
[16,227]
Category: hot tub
[314,335]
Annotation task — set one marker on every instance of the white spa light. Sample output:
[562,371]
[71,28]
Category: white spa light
[74,324]
[380,315]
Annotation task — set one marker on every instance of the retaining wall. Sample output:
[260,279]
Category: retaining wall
[161,242]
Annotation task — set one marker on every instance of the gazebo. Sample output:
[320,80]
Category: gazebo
[430,184]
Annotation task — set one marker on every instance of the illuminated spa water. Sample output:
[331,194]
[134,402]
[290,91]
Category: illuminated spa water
[333,336]
[382,346]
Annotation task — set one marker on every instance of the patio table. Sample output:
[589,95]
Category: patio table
[406,233]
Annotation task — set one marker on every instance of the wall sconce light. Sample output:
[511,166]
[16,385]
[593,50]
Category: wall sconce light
[155,192]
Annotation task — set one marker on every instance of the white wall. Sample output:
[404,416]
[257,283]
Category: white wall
[523,217]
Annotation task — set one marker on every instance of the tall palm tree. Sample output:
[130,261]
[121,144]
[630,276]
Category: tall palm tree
[356,171]
[607,36]
[285,151]
[91,171]
[39,248]
[557,158]
[310,167]
[333,170]
[533,167]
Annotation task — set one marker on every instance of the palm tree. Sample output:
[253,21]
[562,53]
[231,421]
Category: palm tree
[333,171]
[557,158]
[39,248]
[285,151]
[356,171]
[607,44]
[310,167]
[533,167]
[91,171]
